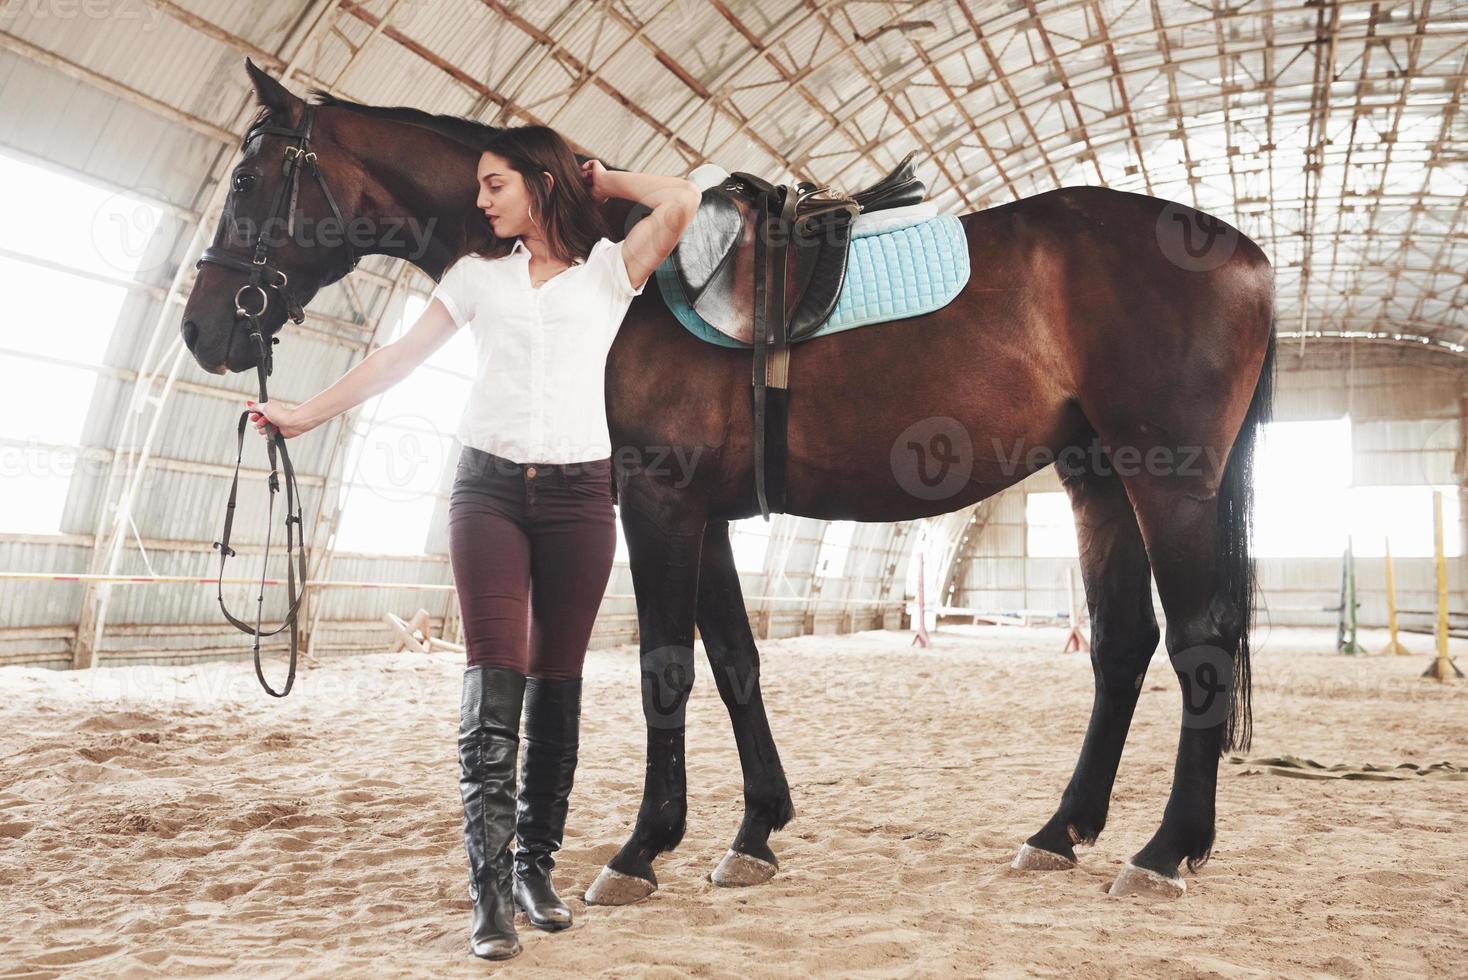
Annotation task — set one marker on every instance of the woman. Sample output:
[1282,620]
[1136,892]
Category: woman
[531,528]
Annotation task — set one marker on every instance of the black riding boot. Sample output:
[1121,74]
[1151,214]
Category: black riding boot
[489,730]
[547,767]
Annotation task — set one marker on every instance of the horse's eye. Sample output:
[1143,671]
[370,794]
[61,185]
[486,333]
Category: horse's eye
[244,182]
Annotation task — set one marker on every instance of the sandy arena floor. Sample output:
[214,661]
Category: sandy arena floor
[175,821]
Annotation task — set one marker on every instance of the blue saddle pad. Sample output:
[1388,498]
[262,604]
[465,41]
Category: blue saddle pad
[890,274]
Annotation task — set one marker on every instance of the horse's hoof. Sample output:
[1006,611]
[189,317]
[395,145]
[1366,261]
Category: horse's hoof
[737,870]
[1034,859]
[1139,881]
[614,888]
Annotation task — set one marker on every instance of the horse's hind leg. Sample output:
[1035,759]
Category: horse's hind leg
[724,625]
[1123,638]
[1195,526]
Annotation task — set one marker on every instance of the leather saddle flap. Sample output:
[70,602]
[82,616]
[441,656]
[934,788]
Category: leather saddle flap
[715,265]
[708,242]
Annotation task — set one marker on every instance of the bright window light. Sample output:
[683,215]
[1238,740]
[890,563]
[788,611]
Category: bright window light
[53,313]
[34,501]
[387,498]
[41,402]
[1302,475]
[1050,528]
[77,328]
[749,538]
[929,545]
[835,544]
[1305,507]
[56,217]
[402,446]
[1403,515]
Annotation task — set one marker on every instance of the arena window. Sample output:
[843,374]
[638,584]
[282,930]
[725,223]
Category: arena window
[749,538]
[51,352]
[1050,530]
[835,543]
[1305,505]
[403,449]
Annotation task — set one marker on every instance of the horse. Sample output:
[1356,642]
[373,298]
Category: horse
[1126,340]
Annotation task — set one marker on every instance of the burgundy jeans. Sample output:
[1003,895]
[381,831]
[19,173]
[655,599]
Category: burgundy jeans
[531,546]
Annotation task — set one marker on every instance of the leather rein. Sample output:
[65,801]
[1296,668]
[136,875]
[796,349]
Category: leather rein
[262,277]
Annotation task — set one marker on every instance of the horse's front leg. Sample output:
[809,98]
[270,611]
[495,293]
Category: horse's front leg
[664,540]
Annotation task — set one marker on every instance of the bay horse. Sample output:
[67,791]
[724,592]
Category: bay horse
[1127,340]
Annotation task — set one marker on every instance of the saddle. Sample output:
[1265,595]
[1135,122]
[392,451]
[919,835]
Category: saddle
[764,264]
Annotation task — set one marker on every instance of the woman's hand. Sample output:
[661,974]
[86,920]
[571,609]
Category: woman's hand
[596,176]
[287,420]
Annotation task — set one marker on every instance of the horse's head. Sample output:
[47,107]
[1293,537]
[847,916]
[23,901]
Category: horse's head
[281,236]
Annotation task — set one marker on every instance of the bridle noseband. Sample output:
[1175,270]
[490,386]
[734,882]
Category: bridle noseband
[265,276]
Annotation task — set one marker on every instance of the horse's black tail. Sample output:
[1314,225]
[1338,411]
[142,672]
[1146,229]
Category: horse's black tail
[1235,561]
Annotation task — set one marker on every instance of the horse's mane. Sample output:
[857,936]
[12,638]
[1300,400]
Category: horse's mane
[470,132]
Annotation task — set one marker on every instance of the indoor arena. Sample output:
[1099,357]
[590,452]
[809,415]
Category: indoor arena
[1044,556]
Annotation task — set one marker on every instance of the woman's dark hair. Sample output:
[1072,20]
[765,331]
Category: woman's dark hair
[568,215]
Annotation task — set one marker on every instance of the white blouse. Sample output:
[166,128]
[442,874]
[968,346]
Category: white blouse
[539,382]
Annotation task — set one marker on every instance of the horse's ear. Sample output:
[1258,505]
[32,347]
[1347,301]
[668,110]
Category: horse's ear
[269,92]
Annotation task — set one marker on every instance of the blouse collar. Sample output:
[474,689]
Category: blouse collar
[520,246]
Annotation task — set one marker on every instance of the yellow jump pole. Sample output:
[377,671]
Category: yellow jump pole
[1393,646]
[1442,667]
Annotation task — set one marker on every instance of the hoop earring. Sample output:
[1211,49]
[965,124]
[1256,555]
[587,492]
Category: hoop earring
[532,216]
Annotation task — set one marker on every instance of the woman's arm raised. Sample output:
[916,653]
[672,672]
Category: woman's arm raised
[376,373]
[673,201]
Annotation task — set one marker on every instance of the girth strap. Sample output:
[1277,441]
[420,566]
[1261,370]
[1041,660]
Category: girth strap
[771,347]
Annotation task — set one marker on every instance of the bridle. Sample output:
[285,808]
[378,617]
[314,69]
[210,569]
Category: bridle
[265,276]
